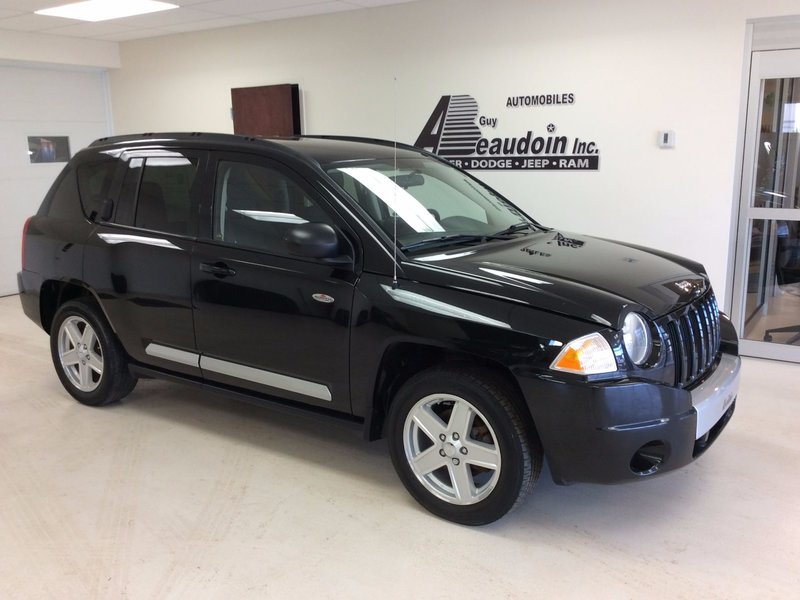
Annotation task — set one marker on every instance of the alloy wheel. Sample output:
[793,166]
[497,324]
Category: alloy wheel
[80,353]
[452,449]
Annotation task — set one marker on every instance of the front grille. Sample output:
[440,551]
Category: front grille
[694,333]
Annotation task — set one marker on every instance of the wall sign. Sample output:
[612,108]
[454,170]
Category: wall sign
[455,131]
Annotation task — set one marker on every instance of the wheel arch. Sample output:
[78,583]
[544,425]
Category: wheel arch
[55,293]
[402,360]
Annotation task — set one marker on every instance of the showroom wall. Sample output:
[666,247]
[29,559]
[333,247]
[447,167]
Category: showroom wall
[40,102]
[633,69]
[28,48]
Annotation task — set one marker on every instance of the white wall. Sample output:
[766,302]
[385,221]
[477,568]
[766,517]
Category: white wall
[29,47]
[635,67]
[40,102]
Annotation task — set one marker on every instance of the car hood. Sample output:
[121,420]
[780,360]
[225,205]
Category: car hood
[575,275]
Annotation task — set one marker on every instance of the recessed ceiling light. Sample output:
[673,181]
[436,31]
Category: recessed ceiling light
[103,10]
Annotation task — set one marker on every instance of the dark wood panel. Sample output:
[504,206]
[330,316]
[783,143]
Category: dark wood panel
[267,110]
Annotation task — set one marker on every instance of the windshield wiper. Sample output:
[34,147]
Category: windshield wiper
[465,238]
[455,238]
[516,228]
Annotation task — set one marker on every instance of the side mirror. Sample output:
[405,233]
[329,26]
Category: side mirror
[313,240]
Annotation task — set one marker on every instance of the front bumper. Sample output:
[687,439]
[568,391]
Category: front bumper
[712,398]
[611,432]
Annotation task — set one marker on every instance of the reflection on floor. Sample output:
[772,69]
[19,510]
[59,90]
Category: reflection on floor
[781,310]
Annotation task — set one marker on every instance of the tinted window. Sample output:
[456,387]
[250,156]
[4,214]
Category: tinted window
[94,185]
[62,201]
[164,201]
[254,205]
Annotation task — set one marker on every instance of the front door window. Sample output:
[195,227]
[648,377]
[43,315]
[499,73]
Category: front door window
[255,205]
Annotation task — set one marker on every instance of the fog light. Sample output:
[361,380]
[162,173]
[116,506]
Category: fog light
[649,458]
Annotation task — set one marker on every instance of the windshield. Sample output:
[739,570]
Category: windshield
[435,204]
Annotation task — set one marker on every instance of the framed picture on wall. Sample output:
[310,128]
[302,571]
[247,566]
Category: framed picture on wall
[48,148]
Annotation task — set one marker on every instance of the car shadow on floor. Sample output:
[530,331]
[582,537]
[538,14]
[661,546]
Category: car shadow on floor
[320,440]
[327,444]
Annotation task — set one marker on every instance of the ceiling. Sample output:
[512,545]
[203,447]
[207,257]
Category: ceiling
[193,15]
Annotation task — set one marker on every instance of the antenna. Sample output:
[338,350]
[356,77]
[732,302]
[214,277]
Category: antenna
[394,191]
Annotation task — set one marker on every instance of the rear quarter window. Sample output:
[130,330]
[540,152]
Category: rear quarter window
[62,200]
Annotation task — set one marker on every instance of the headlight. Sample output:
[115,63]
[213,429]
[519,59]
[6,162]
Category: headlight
[636,338]
[587,355]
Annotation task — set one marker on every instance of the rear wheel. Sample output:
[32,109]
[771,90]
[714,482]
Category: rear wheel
[460,445]
[88,358]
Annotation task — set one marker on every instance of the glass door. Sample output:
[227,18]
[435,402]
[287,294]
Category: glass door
[766,301]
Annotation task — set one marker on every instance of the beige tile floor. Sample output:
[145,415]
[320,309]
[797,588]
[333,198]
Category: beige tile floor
[180,494]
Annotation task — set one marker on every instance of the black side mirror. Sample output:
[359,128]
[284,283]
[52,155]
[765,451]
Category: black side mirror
[313,240]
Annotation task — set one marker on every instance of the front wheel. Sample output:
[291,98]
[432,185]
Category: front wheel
[88,358]
[460,445]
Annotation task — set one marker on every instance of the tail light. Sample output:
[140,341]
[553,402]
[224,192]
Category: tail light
[24,238]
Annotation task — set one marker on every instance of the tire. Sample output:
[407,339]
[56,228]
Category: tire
[460,445]
[87,355]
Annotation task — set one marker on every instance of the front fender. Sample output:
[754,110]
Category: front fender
[516,336]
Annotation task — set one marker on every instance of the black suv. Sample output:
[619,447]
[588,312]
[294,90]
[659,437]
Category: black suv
[375,283]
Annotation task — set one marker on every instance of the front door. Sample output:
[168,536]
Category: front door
[264,320]
[766,305]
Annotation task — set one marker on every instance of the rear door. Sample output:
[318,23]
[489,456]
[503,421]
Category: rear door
[139,260]
[267,321]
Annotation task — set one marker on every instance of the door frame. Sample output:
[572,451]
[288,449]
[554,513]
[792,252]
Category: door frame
[763,64]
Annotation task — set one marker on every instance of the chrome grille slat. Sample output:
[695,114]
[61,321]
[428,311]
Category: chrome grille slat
[691,347]
[694,332]
[705,334]
[681,360]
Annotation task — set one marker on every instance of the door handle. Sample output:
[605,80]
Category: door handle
[218,269]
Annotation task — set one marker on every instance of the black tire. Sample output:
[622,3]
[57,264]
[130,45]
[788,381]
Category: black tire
[459,490]
[94,373]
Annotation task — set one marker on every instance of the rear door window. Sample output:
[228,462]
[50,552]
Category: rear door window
[158,191]
[165,200]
